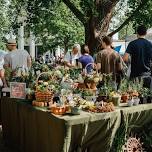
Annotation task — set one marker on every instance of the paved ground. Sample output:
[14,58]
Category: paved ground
[2,147]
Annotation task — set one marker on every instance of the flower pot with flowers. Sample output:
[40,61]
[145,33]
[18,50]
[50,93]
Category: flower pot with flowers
[144,93]
[89,95]
[124,90]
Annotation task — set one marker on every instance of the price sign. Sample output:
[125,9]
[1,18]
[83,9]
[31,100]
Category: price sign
[18,90]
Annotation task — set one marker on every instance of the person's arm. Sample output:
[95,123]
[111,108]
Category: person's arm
[68,64]
[79,63]
[6,62]
[126,57]
[67,60]
[128,52]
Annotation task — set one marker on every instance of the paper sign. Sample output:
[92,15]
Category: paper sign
[18,90]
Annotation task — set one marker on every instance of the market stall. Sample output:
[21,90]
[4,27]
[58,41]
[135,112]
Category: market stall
[28,128]
[71,110]
[34,129]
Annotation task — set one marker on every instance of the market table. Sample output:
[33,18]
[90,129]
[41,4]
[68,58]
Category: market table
[32,129]
[137,122]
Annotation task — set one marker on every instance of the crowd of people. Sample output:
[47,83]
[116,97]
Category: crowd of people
[107,60]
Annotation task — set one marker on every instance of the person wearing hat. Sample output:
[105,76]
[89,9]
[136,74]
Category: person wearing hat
[71,58]
[16,58]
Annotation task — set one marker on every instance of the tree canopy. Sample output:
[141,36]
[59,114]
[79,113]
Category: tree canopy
[65,22]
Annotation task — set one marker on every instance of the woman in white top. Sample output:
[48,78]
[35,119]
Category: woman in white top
[71,58]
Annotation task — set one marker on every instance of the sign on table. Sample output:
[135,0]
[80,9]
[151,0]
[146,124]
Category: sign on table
[18,90]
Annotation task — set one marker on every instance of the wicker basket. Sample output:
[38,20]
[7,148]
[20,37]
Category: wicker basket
[43,96]
[93,66]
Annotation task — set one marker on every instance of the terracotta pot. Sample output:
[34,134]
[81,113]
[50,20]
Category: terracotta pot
[58,110]
[124,98]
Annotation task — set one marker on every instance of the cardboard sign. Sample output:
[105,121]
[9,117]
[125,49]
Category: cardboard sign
[17,90]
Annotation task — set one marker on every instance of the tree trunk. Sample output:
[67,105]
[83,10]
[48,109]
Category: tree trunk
[65,43]
[94,31]
[90,35]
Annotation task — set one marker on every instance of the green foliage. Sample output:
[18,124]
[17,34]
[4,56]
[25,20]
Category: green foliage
[144,15]
[5,24]
[126,31]
[120,139]
[58,22]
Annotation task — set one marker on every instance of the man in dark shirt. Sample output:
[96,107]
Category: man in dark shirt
[140,51]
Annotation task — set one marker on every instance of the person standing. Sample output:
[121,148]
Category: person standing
[86,59]
[16,58]
[109,61]
[71,58]
[140,51]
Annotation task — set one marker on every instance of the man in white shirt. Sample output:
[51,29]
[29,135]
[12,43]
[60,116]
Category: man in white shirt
[71,58]
[16,58]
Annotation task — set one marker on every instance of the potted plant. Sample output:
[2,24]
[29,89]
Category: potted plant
[124,90]
[77,92]
[30,93]
[103,94]
[144,93]
[89,95]
[115,98]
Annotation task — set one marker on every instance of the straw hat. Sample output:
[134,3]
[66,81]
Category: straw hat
[11,42]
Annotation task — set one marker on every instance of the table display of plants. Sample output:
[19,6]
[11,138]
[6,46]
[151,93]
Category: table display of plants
[64,90]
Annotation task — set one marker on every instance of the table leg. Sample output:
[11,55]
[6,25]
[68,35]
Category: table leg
[67,139]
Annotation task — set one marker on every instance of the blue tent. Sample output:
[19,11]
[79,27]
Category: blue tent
[117,48]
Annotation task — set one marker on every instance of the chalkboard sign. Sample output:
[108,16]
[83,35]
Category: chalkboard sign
[18,90]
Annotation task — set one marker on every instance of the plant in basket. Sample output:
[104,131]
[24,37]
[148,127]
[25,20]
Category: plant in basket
[77,91]
[45,68]
[57,76]
[44,90]
[55,87]
[74,73]
[89,83]
[67,82]
[89,95]
[62,69]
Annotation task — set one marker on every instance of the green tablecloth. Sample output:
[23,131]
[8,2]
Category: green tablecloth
[137,116]
[136,122]
[31,129]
